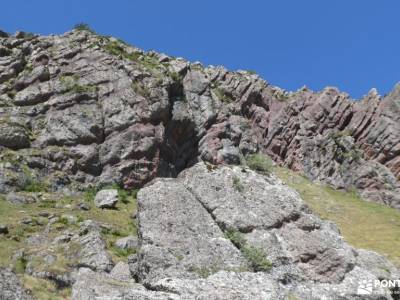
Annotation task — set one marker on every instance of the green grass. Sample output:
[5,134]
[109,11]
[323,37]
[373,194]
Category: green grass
[363,224]
[35,186]
[89,194]
[71,85]
[119,219]
[223,96]
[120,254]
[120,222]
[140,89]
[45,290]
[259,162]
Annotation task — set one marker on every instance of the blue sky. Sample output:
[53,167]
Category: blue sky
[351,44]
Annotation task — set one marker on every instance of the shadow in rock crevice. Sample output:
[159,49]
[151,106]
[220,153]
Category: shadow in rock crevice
[180,147]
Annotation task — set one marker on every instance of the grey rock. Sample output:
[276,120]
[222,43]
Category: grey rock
[11,287]
[91,286]
[129,242]
[184,231]
[33,94]
[93,253]
[106,198]
[20,198]
[178,237]
[121,272]
[13,135]
[83,206]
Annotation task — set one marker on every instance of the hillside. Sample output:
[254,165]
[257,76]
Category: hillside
[145,176]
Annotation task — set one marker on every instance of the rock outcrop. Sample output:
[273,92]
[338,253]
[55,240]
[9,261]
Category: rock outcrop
[202,237]
[11,287]
[87,109]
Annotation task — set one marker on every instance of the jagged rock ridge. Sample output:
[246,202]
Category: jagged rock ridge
[85,109]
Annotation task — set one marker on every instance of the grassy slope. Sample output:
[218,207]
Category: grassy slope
[10,214]
[363,224]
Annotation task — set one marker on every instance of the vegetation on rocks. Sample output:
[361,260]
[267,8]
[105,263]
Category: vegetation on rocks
[255,256]
[84,27]
[223,96]
[259,162]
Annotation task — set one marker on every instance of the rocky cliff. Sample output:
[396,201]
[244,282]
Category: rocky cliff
[82,111]
[86,109]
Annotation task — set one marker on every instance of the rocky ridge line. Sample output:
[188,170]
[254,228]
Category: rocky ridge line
[83,109]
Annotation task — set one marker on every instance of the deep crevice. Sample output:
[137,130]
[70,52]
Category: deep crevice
[180,148]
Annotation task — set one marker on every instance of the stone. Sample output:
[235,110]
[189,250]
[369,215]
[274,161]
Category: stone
[121,272]
[3,229]
[11,287]
[83,206]
[93,253]
[13,135]
[20,198]
[106,198]
[91,286]
[178,237]
[126,243]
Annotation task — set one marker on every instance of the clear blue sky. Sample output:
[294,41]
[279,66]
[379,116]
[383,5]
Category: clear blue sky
[351,44]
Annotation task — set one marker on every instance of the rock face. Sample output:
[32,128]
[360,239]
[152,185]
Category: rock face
[90,109]
[10,287]
[81,111]
[200,237]
[85,109]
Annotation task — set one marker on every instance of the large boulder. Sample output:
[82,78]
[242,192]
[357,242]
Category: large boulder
[106,198]
[11,287]
[201,236]
[13,135]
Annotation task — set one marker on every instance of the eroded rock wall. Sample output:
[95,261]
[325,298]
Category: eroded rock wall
[82,109]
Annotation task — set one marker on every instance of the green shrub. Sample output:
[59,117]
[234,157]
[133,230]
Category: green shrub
[176,77]
[223,96]
[140,89]
[122,252]
[235,237]
[20,265]
[237,185]
[34,186]
[83,27]
[254,255]
[71,85]
[116,48]
[63,220]
[260,163]
[257,258]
